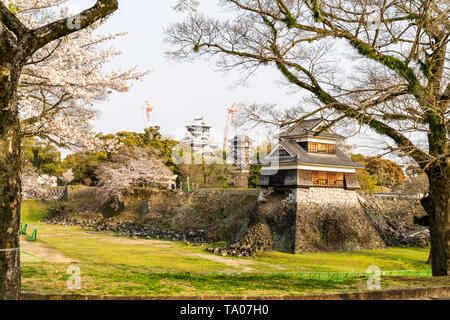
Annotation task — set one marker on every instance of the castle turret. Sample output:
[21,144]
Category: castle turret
[198,136]
[307,156]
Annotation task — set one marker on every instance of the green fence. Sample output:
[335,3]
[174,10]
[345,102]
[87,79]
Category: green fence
[23,230]
[341,276]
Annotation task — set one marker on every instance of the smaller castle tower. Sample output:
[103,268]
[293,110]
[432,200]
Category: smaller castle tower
[240,151]
[240,154]
[198,136]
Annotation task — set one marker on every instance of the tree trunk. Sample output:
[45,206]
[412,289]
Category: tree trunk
[17,44]
[436,204]
[10,174]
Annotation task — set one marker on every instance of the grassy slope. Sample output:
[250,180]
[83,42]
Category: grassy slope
[112,265]
[34,211]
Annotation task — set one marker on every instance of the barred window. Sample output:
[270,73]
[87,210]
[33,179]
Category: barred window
[327,179]
[324,148]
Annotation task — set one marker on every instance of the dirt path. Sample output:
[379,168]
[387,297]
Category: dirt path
[49,254]
[238,263]
[149,242]
[42,251]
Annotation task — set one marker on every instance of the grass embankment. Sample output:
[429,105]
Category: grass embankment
[113,265]
[34,211]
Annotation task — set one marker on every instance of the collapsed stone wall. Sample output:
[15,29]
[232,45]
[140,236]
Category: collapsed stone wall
[396,219]
[289,220]
[310,220]
[270,226]
[330,219]
[276,208]
[204,216]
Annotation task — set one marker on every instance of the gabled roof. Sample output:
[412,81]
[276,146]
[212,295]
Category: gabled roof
[283,159]
[298,155]
[309,128]
[305,157]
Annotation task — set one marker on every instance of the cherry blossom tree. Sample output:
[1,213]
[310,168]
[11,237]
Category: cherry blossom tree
[62,80]
[130,167]
[28,39]
[67,176]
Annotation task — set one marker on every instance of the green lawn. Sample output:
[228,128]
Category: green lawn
[115,265]
[33,211]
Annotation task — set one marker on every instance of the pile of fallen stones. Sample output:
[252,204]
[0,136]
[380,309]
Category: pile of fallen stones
[236,250]
[135,230]
[416,238]
[405,238]
[67,221]
[400,234]
[397,233]
[130,229]
[257,238]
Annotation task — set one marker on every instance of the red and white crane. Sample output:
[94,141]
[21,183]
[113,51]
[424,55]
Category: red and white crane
[149,113]
[231,114]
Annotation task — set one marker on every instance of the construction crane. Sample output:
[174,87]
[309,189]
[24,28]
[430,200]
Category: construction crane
[148,112]
[231,114]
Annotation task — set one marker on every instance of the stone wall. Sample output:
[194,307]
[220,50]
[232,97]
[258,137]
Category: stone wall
[288,220]
[332,219]
[308,220]
[335,219]
[328,196]
[40,187]
[211,215]
[241,179]
[56,193]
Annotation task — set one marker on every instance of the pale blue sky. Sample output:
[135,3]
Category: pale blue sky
[178,91]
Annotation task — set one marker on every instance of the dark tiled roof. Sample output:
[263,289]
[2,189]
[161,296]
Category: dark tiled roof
[338,159]
[305,128]
[301,156]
